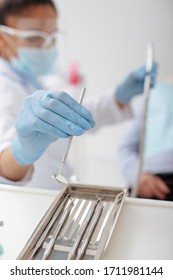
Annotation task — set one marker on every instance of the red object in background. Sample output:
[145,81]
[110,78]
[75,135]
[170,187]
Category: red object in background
[74,74]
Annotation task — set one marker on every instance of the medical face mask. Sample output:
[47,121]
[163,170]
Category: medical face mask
[36,52]
[159,125]
[34,61]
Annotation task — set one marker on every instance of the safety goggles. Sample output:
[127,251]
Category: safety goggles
[32,38]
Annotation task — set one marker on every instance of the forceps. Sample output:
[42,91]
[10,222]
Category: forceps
[58,177]
[147,82]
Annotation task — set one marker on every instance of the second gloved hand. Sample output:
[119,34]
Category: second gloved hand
[45,117]
[134,84]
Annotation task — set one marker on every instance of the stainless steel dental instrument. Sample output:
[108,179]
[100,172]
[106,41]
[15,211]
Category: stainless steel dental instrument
[90,230]
[84,198]
[49,226]
[58,177]
[82,230]
[57,231]
[147,82]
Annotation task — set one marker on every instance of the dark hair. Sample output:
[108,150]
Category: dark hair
[14,7]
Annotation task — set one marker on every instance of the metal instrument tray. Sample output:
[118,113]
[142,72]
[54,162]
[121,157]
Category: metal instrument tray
[86,216]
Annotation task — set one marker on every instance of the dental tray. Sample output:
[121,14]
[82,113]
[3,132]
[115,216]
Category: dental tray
[78,224]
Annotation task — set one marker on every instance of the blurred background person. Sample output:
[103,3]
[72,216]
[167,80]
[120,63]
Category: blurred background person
[107,41]
[157,176]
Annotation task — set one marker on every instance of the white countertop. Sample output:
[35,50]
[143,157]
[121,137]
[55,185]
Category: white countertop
[144,229]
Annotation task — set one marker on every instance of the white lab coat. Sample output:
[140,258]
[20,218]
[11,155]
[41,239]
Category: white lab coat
[13,90]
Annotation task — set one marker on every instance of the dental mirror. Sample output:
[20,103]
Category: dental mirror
[59,177]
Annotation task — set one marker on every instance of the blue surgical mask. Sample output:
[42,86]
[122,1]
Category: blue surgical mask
[159,130]
[34,61]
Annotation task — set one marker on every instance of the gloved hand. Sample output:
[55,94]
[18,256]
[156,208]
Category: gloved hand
[44,117]
[134,84]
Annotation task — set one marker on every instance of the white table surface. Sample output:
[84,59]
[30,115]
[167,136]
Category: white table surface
[144,229]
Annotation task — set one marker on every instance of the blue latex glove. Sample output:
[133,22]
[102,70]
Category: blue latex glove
[134,84]
[45,117]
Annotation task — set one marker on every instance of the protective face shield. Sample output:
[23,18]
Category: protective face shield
[36,51]
[159,130]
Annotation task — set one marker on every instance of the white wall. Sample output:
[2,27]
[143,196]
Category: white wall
[108,38]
